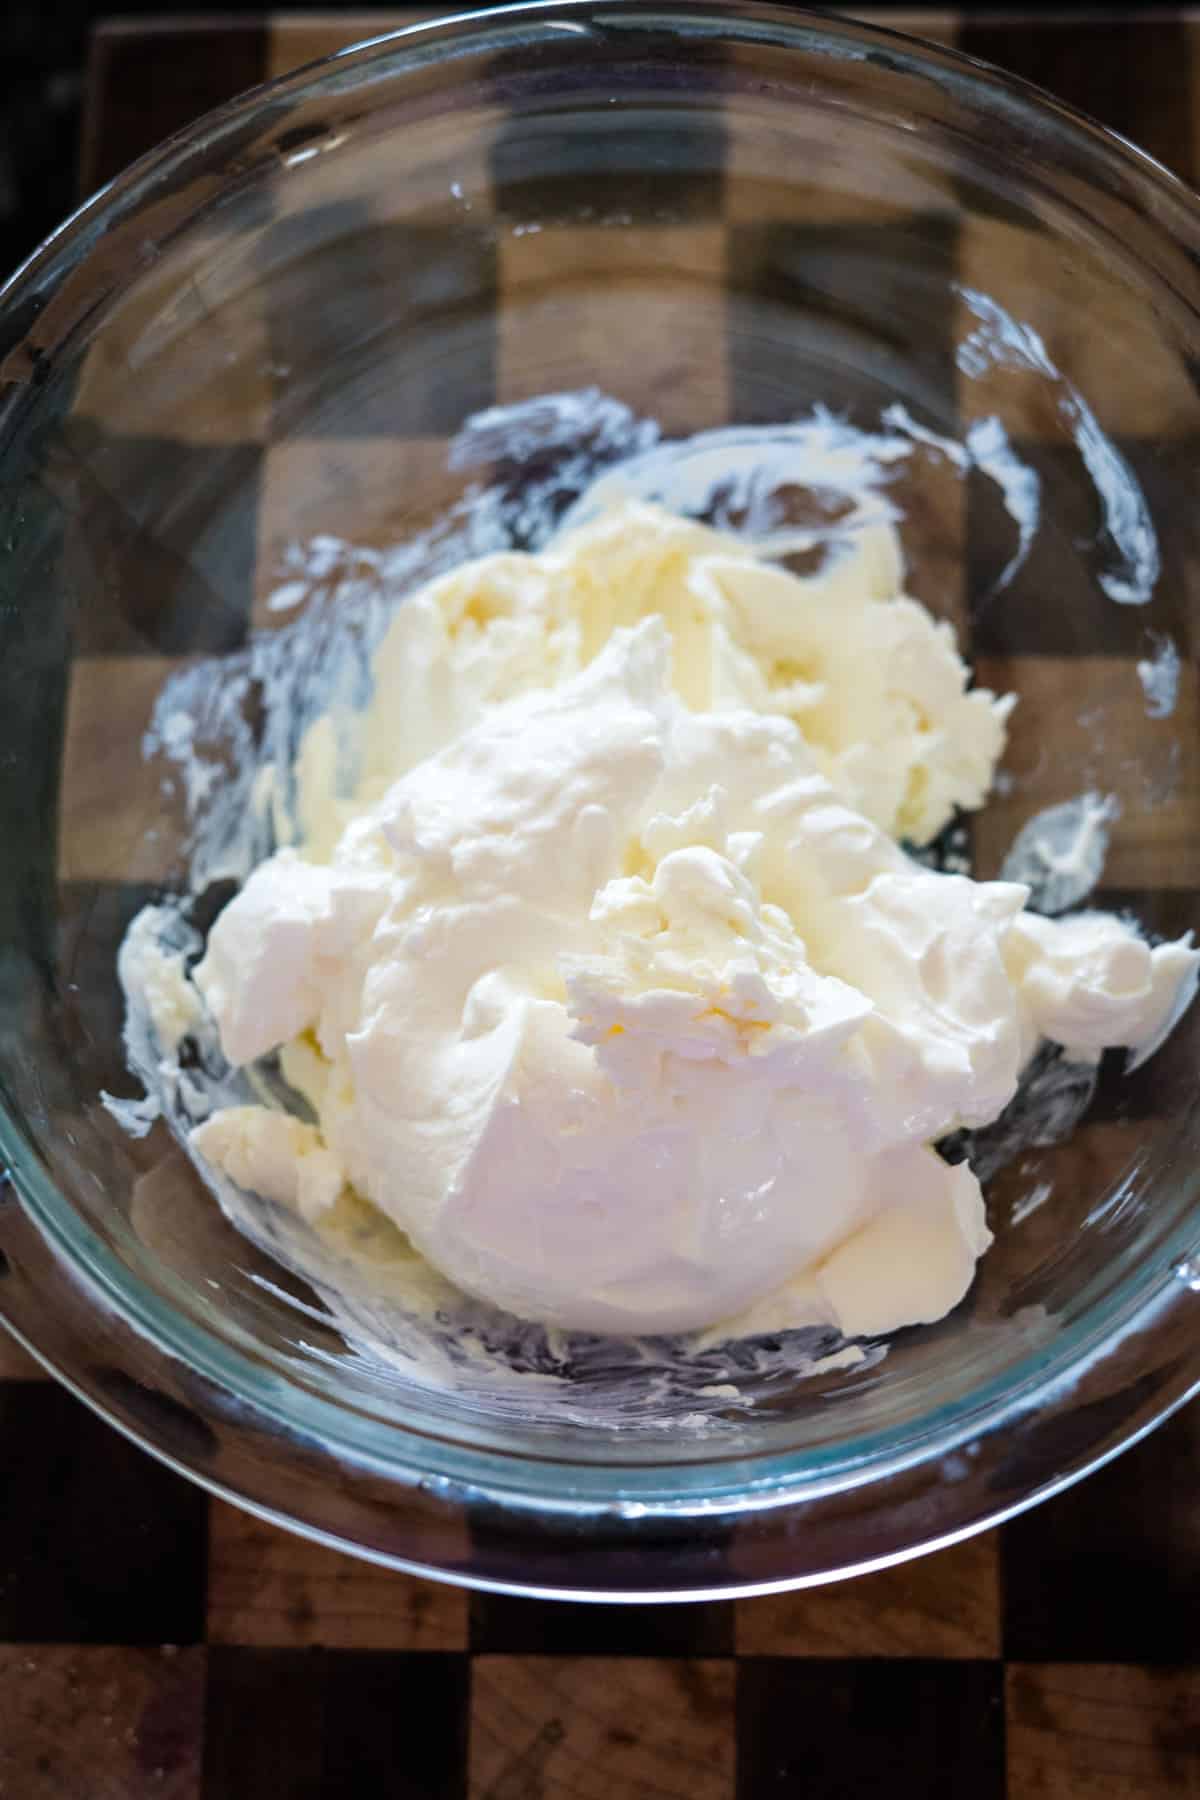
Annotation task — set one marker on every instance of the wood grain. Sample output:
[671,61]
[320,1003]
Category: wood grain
[945,1605]
[596,1728]
[1102,1732]
[15,1363]
[102,1723]
[268,1587]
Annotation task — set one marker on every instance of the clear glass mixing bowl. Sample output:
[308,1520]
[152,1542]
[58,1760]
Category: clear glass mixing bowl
[270,331]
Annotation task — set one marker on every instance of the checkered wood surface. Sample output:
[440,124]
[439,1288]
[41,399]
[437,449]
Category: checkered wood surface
[156,1643]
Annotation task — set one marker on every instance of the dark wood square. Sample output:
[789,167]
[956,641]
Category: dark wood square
[1110,1570]
[169,64]
[827,313]
[335,1725]
[516,1627]
[102,1544]
[402,341]
[1054,604]
[160,541]
[1129,72]
[869,1730]
[668,166]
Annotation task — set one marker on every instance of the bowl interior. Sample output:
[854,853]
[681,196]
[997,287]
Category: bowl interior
[253,391]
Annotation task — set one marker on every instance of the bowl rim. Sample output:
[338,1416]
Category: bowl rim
[780,1480]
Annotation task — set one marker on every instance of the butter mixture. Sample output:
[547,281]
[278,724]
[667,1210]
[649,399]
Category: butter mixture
[596,964]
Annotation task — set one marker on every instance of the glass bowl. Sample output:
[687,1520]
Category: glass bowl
[239,377]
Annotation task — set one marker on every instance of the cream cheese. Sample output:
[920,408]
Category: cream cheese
[871,678]
[605,977]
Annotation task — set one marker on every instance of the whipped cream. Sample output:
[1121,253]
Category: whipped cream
[600,968]
[873,681]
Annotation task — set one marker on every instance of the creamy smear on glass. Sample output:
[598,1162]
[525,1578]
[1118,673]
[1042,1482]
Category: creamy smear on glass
[604,977]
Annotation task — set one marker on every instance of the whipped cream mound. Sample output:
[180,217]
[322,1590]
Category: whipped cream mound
[871,678]
[608,982]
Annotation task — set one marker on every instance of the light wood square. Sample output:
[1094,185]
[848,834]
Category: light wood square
[116,822]
[271,1587]
[1100,1731]
[592,1728]
[945,1605]
[638,312]
[1092,325]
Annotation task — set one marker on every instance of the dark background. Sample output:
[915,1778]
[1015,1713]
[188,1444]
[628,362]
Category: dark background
[43,67]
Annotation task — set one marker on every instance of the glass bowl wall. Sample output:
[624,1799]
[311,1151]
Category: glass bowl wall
[272,330]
